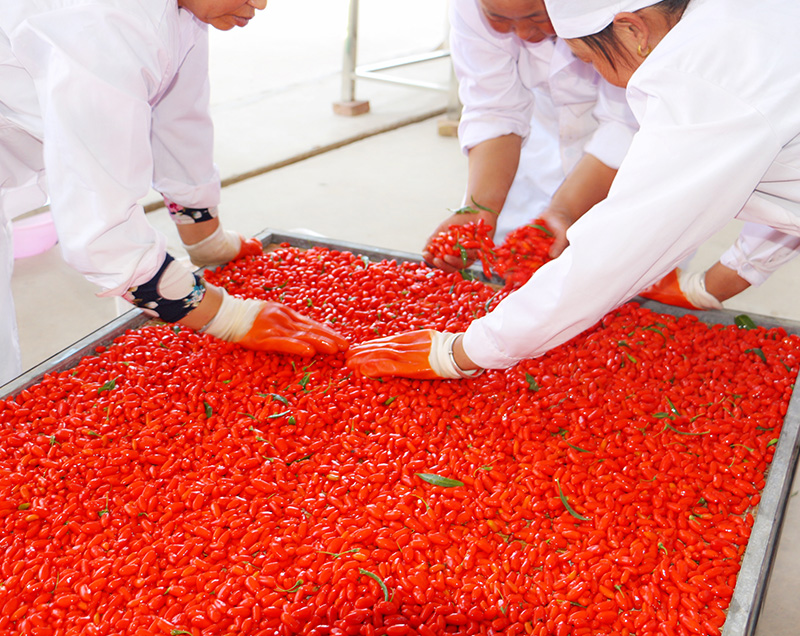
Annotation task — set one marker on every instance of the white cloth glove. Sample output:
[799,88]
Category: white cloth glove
[441,357]
[218,248]
[234,318]
[693,286]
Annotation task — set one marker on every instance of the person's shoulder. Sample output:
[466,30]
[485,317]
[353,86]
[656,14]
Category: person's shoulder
[736,26]
[465,14]
[733,44]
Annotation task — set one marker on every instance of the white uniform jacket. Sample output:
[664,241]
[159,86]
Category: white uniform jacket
[540,91]
[719,138]
[108,99]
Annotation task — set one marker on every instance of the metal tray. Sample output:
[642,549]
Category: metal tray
[753,578]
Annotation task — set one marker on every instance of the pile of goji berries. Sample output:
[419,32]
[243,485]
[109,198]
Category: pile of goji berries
[175,484]
[459,240]
[524,250]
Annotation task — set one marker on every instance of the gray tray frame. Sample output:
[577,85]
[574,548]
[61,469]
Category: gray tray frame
[753,578]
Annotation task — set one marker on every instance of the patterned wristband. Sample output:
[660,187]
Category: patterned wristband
[171,294]
[184,216]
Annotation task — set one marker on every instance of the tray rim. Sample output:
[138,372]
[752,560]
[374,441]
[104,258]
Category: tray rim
[758,560]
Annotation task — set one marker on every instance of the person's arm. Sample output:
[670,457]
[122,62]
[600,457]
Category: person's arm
[585,186]
[719,281]
[184,172]
[182,135]
[723,282]
[590,179]
[460,357]
[495,100]
[667,198]
[492,165]
[494,122]
[95,92]
[757,252]
[175,294]
[94,89]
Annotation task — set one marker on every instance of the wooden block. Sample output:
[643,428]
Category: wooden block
[351,109]
[448,127]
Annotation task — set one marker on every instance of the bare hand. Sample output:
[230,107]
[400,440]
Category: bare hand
[558,221]
[456,263]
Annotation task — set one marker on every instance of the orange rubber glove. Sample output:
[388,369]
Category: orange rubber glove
[271,326]
[682,290]
[250,247]
[422,355]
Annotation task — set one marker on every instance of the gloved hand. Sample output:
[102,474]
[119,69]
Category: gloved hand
[423,355]
[682,289]
[271,326]
[249,247]
[221,247]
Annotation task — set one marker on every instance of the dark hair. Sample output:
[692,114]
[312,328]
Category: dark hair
[607,44]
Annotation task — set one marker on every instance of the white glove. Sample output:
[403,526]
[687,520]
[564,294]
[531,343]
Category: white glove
[218,248]
[693,286]
[234,318]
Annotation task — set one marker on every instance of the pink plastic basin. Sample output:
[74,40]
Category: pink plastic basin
[34,235]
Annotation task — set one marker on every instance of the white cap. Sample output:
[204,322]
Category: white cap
[579,18]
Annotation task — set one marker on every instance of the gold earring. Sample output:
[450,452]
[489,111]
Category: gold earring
[643,53]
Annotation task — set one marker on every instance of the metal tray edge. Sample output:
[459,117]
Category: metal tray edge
[761,547]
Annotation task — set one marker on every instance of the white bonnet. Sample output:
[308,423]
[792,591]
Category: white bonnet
[579,18]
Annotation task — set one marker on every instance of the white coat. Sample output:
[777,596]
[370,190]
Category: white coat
[759,251]
[719,139]
[540,91]
[10,363]
[105,100]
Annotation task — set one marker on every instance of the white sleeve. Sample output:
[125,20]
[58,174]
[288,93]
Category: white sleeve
[759,251]
[95,69]
[691,167]
[616,126]
[183,135]
[495,101]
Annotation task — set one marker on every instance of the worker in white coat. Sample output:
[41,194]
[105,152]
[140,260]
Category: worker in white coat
[532,115]
[756,254]
[99,102]
[714,87]
[544,135]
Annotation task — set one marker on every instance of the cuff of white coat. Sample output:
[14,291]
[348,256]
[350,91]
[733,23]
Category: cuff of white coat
[477,346]
[472,132]
[610,143]
[441,358]
[205,192]
[743,268]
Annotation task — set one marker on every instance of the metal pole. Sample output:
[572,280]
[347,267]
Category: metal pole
[349,62]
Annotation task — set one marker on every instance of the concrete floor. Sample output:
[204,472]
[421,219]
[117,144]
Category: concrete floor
[384,179]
